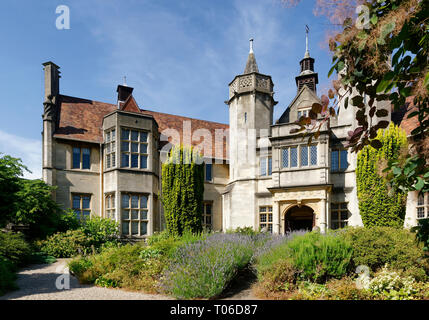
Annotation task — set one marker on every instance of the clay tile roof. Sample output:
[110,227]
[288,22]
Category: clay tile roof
[168,121]
[401,116]
[82,119]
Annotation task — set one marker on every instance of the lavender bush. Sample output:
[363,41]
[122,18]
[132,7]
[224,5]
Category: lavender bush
[204,268]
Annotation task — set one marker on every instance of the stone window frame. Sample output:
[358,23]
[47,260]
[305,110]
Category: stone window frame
[303,112]
[81,157]
[207,217]
[130,151]
[337,210]
[266,218]
[422,205]
[81,212]
[299,148]
[268,166]
[140,209]
[110,148]
[110,205]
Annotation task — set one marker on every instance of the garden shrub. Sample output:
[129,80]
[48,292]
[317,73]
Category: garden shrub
[376,246]
[14,248]
[204,268]
[422,233]
[95,234]
[320,257]
[244,230]
[7,276]
[66,244]
[379,205]
[281,276]
[130,266]
[100,230]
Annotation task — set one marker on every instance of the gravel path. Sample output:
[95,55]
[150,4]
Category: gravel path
[38,282]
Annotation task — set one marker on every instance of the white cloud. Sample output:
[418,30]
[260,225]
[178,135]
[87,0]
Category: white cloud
[28,149]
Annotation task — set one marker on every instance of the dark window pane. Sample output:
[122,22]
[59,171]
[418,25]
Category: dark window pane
[125,160]
[134,201]
[86,158]
[125,201]
[85,202]
[134,228]
[304,155]
[76,158]
[134,147]
[143,162]
[343,160]
[313,155]
[344,205]
[143,136]
[143,148]
[285,158]
[143,228]
[125,134]
[125,214]
[334,161]
[344,215]
[125,146]
[76,202]
[335,225]
[125,228]
[143,202]
[208,172]
[270,166]
[113,135]
[208,209]
[143,215]
[134,161]
[134,135]
[294,157]
[108,161]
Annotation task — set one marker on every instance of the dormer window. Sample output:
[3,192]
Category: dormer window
[303,113]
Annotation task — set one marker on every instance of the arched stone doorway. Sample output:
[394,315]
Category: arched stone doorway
[299,218]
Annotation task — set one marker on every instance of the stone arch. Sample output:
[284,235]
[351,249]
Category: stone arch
[299,217]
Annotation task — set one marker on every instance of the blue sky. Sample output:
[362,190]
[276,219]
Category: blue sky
[178,55]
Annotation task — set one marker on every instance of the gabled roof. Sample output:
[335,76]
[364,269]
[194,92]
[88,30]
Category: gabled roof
[82,119]
[284,118]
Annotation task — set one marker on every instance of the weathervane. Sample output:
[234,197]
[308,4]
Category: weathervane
[251,45]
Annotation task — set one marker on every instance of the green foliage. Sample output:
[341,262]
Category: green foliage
[314,256]
[168,244]
[11,169]
[377,246]
[378,205]
[14,248]
[68,221]
[7,276]
[96,233]
[320,257]
[130,266]
[422,233]
[183,188]
[101,230]
[66,244]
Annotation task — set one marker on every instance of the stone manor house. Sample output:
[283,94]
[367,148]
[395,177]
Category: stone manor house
[105,158]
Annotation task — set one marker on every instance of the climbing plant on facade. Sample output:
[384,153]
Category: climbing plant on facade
[182,190]
[379,203]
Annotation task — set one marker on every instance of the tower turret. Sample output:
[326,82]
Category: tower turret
[307,76]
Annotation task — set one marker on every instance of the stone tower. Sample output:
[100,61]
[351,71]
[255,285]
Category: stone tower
[250,117]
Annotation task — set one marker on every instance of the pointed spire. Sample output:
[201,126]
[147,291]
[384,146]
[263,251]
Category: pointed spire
[251,65]
[307,53]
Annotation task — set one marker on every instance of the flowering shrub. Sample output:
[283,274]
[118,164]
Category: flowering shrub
[203,269]
[391,286]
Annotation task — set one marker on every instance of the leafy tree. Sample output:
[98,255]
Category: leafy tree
[11,169]
[378,205]
[182,190]
[383,54]
[36,208]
